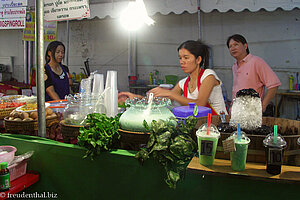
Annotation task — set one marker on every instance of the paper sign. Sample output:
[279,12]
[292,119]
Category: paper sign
[66,10]
[206,147]
[12,23]
[12,12]
[228,145]
[275,156]
[50,29]
[12,3]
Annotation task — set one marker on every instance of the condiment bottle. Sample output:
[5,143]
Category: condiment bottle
[291,82]
[4,177]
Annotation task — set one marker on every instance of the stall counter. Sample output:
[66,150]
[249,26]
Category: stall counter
[118,175]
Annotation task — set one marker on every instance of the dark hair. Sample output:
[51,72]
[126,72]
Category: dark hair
[197,48]
[52,48]
[238,38]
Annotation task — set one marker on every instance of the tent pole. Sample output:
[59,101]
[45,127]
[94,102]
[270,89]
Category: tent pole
[39,49]
[25,68]
[131,54]
[67,45]
[199,20]
[30,59]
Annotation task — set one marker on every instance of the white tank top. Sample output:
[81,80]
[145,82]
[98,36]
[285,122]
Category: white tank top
[216,99]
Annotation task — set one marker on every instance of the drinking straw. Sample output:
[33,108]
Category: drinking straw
[275,134]
[239,131]
[208,123]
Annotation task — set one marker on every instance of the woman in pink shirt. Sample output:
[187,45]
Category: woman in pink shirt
[250,71]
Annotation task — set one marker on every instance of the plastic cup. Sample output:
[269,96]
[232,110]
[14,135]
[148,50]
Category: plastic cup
[207,144]
[274,153]
[238,158]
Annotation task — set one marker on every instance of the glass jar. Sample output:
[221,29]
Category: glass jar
[79,106]
[132,119]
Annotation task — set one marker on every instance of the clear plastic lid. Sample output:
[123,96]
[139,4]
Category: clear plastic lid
[269,141]
[148,102]
[243,140]
[202,131]
[185,111]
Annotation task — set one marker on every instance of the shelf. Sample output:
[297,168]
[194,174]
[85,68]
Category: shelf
[255,171]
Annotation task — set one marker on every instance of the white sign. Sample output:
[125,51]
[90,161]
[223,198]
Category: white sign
[12,3]
[12,12]
[12,23]
[59,10]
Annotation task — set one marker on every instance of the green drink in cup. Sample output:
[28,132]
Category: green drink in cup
[207,144]
[238,158]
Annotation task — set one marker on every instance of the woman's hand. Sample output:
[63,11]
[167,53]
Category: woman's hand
[161,92]
[122,96]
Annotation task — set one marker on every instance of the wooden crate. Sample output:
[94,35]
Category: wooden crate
[256,151]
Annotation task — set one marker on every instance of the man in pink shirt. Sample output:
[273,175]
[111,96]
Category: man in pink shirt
[250,71]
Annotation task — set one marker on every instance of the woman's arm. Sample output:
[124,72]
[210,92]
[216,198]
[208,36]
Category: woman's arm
[176,94]
[70,82]
[51,92]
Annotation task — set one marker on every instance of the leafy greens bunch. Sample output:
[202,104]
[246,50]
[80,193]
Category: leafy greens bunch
[170,143]
[100,134]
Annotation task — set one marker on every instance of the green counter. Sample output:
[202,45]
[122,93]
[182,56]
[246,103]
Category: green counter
[118,175]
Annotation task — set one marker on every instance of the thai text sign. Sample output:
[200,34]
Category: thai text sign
[12,14]
[12,23]
[12,3]
[7,13]
[59,10]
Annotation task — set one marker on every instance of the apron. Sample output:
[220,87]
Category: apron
[61,86]
[185,90]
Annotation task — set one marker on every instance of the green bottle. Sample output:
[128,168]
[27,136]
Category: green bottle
[291,82]
[4,177]
[150,78]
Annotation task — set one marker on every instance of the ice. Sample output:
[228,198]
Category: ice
[246,110]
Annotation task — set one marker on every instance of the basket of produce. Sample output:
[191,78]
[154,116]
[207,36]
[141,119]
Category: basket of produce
[7,107]
[69,131]
[131,140]
[26,122]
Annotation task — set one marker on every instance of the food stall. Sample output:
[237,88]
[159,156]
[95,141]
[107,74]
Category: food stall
[60,165]
[117,174]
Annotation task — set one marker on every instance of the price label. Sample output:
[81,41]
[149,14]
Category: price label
[275,156]
[206,147]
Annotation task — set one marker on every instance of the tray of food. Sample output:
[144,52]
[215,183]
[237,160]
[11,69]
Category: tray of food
[30,107]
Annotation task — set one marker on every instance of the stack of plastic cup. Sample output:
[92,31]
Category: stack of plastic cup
[274,145]
[208,136]
[111,94]
[238,158]
[98,84]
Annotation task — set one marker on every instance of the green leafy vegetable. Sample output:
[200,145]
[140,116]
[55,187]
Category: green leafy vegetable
[171,145]
[100,134]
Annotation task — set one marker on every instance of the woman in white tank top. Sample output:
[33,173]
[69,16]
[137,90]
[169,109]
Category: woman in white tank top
[202,86]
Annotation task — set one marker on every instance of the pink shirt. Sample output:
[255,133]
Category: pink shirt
[255,73]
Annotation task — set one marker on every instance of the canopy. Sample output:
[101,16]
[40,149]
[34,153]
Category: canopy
[112,8]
